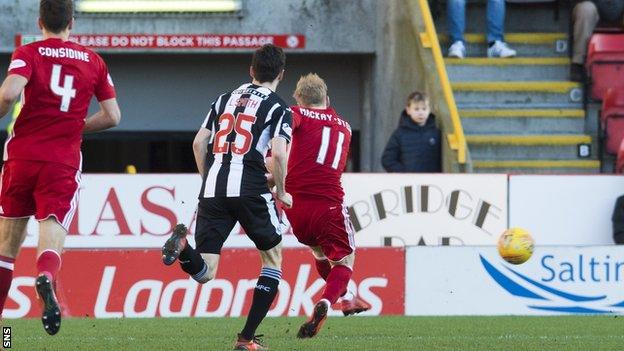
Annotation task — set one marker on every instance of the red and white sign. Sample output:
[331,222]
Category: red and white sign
[135,283]
[178,41]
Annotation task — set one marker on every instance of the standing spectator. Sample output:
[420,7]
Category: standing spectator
[618,221]
[415,146]
[585,17]
[456,19]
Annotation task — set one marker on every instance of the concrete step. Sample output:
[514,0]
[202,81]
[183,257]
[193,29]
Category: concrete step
[523,121]
[508,69]
[526,44]
[538,166]
[522,147]
[518,93]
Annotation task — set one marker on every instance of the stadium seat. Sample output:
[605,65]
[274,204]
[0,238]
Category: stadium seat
[612,119]
[605,63]
[619,164]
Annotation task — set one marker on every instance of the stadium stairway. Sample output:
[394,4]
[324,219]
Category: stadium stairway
[521,114]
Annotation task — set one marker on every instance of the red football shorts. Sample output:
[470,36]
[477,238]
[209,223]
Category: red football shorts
[319,223]
[43,189]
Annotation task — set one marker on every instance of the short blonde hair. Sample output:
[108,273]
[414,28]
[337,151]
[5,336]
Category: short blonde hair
[417,96]
[311,90]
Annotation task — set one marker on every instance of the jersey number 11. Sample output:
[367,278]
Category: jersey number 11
[322,154]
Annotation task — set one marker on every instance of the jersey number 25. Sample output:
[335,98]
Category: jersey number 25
[241,124]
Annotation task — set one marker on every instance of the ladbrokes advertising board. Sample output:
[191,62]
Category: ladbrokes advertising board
[476,281]
[140,211]
[135,283]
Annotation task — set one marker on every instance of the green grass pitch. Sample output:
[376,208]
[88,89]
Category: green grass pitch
[338,333]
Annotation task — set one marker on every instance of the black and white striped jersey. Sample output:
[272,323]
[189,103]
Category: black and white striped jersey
[242,124]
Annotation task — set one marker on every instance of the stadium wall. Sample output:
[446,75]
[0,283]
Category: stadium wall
[367,50]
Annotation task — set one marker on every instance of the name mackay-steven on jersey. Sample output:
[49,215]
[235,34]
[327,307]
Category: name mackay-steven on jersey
[64,53]
[323,117]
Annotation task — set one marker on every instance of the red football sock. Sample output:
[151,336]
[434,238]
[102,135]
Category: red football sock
[337,282]
[323,267]
[6,276]
[49,263]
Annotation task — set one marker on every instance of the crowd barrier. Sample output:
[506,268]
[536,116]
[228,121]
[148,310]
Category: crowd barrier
[112,266]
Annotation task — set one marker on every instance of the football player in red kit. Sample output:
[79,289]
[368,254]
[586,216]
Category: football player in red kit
[42,159]
[319,219]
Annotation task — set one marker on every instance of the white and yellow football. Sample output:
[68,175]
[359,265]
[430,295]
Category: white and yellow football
[515,245]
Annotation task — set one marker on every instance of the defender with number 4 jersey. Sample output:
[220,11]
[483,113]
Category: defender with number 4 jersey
[43,151]
[62,78]
[56,80]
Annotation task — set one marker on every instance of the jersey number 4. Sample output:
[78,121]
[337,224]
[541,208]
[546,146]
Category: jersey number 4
[67,91]
[322,154]
[241,124]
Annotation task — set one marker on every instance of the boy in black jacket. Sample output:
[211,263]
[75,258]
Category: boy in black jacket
[415,146]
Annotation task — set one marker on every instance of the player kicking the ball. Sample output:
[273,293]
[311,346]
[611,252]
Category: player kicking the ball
[230,148]
[318,217]
[41,172]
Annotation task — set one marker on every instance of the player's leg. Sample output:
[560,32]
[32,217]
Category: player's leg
[12,234]
[17,204]
[259,218]
[323,266]
[51,240]
[349,302]
[335,237]
[56,198]
[335,287]
[214,224]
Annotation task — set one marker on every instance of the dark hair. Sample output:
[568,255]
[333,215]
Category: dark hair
[417,96]
[267,63]
[56,15]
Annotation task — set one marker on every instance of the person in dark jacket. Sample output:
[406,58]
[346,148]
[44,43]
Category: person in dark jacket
[415,146]
[585,16]
[618,221]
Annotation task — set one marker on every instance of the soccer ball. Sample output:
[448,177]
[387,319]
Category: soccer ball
[515,245]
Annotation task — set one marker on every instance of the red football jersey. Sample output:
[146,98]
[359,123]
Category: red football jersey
[62,79]
[318,154]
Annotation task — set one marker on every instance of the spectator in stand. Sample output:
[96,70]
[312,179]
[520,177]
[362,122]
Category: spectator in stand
[585,17]
[618,221]
[415,146]
[456,21]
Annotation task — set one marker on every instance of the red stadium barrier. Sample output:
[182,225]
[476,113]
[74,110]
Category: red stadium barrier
[135,283]
[605,63]
[612,119]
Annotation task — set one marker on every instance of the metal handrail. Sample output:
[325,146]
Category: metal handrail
[429,39]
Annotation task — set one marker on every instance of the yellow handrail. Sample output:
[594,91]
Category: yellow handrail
[457,139]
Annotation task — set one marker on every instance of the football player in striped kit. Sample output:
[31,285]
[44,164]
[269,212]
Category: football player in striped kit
[229,149]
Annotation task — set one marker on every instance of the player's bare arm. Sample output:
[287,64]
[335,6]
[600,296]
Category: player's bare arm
[9,92]
[107,117]
[280,160]
[200,145]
